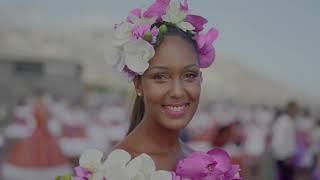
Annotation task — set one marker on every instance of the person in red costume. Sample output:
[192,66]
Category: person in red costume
[38,156]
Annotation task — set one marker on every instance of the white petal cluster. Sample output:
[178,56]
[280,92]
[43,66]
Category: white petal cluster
[120,166]
[177,16]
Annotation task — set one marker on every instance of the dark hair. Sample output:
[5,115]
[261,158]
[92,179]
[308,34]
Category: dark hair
[174,31]
[138,106]
[137,113]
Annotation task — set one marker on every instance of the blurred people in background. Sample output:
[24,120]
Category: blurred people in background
[316,149]
[23,120]
[284,141]
[74,137]
[37,154]
[58,111]
[257,132]
[109,126]
[304,156]
[3,114]
[247,132]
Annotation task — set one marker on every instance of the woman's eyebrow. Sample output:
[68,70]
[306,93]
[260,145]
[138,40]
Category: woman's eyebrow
[166,68]
[190,65]
[159,67]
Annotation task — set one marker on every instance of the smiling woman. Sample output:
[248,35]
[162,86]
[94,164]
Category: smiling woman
[162,51]
[171,85]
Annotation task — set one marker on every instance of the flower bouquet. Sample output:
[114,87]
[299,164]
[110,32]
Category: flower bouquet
[119,165]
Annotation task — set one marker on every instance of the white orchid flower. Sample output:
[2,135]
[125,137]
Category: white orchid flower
[119,166]
[113,168]
[122,34]
[137,54]
[177,16]
[115,58]
[161,175]
[143,20]
[146,169]
[91,160]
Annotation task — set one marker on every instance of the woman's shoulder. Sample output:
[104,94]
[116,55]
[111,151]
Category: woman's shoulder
[127,147]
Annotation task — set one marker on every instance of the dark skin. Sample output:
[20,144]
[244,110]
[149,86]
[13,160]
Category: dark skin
[173,78]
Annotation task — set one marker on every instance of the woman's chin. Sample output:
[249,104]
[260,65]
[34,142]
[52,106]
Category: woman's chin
[175,124]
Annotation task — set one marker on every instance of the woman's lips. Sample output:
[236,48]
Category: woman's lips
[175,111]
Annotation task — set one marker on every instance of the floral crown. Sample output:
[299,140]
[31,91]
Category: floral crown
[135,39]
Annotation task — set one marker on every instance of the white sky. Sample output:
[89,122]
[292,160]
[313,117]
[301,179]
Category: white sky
[278,38]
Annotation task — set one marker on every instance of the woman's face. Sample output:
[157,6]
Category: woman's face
[171,85]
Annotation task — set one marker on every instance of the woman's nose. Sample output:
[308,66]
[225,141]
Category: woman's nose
[177,90]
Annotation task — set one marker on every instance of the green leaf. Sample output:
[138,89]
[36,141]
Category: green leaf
[66,177]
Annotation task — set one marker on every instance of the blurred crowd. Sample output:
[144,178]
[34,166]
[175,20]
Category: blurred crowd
[51,131]
[268,142]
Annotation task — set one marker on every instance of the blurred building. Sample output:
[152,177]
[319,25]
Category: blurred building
[19,76]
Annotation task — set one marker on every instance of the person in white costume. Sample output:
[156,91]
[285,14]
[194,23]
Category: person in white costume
[108,128]
[74,138]
[57,111]
[24,122]
[284,141]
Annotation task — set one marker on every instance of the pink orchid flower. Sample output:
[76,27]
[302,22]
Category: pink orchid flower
[139,30]
[213,165]
[157,9]
[205,48]
[131,74]
[184,6]
[197,21]
[82,173]
[135,12]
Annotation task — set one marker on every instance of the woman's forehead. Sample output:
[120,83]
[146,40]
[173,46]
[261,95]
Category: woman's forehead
[174,51]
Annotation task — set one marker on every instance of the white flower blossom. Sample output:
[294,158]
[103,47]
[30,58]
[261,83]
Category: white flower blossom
[115,58]
[119,166]
[143,20]
[137,54]
[177,16]
[122,34]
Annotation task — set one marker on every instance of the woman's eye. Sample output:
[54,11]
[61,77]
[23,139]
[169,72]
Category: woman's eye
[160,76]
[191,75]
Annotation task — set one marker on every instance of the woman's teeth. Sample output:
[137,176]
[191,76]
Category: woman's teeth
[176,108]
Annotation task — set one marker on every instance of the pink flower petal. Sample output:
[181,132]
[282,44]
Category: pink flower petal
[139,30]
[231,174]
[201,40]
[155,31]
[187,168]
[197,21]
[184,6]
[222,158]
[135,12]
[212,35]
[157,9]
[205,48]
[82,172]
[205,60]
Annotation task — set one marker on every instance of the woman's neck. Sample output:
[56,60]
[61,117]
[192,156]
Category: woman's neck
[156,139]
